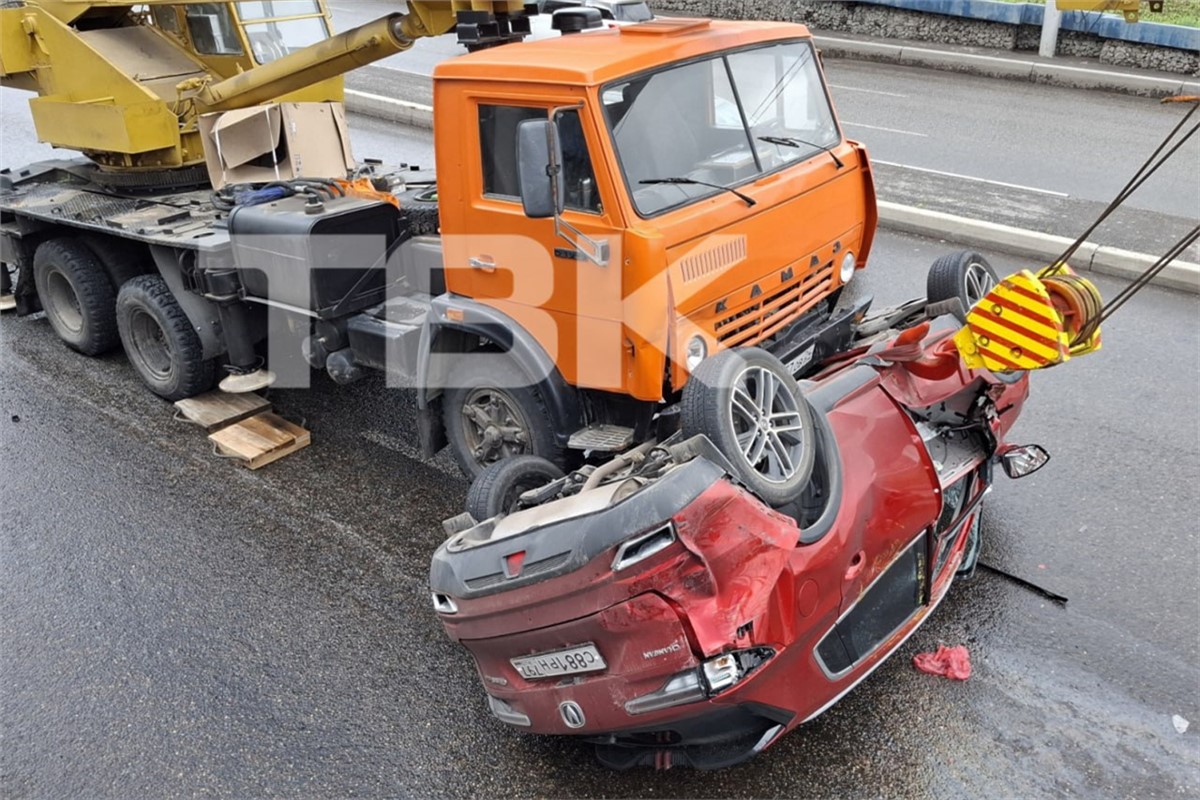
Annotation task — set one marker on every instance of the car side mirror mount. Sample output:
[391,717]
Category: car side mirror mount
[1021,460]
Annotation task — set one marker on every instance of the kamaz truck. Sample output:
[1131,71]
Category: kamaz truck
[608,208]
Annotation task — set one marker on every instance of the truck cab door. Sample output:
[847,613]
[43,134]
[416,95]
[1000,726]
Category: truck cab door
[518,265]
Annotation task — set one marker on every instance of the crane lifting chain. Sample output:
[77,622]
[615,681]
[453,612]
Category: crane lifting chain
[1032,321]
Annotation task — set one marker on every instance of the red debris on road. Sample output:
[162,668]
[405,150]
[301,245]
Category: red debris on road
[949,662]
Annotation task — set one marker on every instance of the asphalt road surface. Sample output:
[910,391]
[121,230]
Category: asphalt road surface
[172,625]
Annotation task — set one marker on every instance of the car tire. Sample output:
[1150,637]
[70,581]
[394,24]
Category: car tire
[499,486]
[122,259]
[487,420]
[77,296]
[724,401]
[160,341]
[965,275]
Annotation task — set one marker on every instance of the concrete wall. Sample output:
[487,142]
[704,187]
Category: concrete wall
[873,19]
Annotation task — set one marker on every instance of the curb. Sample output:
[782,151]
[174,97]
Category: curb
[1011,68]
[385,108]
[1090,257]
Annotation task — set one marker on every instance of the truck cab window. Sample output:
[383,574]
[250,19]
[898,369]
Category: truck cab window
[498,147]
[212,30]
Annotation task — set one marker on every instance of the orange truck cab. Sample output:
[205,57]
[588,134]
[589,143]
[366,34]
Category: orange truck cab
[625,202]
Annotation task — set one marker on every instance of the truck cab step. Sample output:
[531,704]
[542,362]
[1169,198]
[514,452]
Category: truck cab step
[604,438]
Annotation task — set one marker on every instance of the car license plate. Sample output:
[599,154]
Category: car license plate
[801,361]
[572,661]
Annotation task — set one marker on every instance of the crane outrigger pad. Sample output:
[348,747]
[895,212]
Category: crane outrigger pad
[216,410]
[261,440]
[243,427]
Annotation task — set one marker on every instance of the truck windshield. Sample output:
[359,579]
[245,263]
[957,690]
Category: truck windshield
[721,121]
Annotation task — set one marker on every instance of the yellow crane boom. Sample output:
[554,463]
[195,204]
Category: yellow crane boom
[124,82]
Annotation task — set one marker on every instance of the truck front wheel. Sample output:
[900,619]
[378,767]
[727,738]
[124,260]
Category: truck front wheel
[489,416]
[76,295]
[159,340]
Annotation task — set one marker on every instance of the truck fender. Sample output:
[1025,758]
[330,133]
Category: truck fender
[204,314]
[452,315]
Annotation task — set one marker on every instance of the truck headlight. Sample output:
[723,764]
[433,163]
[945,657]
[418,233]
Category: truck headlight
[848,264]
[697,351]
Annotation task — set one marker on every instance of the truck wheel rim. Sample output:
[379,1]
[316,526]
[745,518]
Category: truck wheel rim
[766,419]
[978,282]
[150,342]
[63,302]
[494,426]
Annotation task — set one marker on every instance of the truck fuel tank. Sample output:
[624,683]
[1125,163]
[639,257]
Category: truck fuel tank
[326,256]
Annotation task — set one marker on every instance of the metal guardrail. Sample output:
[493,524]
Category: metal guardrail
[1105,26]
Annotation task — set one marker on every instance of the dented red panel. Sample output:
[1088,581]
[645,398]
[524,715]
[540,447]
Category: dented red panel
[744,547]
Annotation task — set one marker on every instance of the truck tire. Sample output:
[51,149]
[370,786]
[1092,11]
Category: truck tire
[487,420]
[159,340]
[122,259]
[752,409]
[965,275]
[498,487]
[77,296]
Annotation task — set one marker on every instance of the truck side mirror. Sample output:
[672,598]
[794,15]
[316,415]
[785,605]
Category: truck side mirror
[539,168]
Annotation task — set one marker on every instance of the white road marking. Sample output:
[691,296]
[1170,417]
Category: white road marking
[970,178]
[889,130]
[868,91]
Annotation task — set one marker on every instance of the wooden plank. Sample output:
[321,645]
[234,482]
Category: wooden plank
[216,410]
[261,440]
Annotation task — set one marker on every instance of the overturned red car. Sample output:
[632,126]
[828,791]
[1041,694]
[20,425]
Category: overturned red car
[692,600]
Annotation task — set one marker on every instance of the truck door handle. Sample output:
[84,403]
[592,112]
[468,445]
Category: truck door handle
[856,565]
[484,263]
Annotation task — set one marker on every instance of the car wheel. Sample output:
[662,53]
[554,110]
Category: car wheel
[76,295]
[499,487]
[159,340]
[965,275]
[488,419]
[752,409]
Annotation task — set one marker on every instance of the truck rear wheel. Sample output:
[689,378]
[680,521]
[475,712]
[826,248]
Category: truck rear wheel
[122,259]
[77,296]
[488,419]
[159,340]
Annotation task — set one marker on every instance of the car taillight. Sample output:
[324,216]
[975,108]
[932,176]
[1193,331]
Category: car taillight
[711,678]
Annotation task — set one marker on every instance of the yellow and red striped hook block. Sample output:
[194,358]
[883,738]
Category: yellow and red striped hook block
[1026,323]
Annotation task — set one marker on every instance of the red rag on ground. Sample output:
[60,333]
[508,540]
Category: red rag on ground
[949,662]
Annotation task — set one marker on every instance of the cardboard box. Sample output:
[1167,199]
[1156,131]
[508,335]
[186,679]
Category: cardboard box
[277,142]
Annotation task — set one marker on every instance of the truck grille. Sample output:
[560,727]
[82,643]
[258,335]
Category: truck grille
[767,314]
